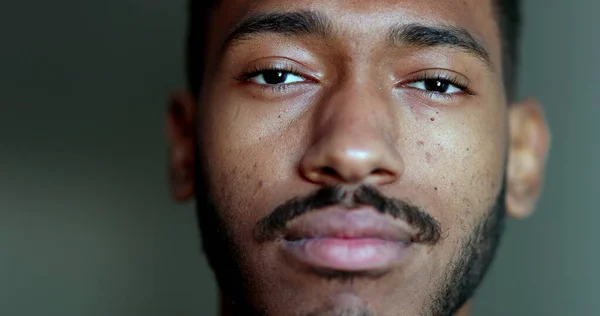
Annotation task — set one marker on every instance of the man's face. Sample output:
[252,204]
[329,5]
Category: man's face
[351,154]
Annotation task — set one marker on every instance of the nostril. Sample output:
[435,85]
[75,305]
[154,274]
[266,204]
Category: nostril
[329,171]
[383,175]
[381,172]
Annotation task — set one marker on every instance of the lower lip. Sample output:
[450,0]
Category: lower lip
[359,254]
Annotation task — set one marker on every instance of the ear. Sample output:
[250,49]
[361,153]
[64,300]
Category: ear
[180,130]
[528,149]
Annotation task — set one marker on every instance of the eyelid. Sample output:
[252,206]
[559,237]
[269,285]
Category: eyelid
[279,64]
[431,74]
[254,74]
[453,77]
[415,84]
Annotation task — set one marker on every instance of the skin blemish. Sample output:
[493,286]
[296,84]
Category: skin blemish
[260,184]
[421,143]
[428,157]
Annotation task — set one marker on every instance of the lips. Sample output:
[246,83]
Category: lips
[348,224]
[347,240]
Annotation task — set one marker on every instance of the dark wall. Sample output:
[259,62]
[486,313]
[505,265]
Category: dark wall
[86,224]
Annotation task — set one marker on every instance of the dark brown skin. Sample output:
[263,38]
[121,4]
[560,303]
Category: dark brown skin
[262,147]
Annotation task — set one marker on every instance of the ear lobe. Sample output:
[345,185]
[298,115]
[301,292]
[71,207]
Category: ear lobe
[529,145]
[180,127]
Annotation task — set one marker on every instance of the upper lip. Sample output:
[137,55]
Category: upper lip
[339,222]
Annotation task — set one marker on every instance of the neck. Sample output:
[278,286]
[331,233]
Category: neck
[226,309]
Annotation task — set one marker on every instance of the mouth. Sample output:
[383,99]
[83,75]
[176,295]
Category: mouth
[353,240]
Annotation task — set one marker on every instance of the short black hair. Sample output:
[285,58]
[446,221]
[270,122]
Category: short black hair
[508,14]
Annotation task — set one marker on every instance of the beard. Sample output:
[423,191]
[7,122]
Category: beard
[467,269]
[475,256]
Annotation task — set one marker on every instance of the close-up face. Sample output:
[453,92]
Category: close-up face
[354,157]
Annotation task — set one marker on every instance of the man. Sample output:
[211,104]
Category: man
[353,157]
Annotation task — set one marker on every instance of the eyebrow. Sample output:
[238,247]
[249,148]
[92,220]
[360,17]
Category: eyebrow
[430,36]
[303,23]
[284,23]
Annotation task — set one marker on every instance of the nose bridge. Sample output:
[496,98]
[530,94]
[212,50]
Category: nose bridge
[352,137]
[355,111]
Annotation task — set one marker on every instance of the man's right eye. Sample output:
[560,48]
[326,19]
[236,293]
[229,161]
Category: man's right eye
[274,77]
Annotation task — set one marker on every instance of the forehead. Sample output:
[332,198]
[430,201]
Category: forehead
[361,20]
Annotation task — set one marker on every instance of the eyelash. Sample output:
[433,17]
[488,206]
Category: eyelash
[452,79]
[258,70]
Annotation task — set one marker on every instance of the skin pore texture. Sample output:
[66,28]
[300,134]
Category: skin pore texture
[355,104]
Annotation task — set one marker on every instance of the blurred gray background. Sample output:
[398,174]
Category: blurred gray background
[87,226]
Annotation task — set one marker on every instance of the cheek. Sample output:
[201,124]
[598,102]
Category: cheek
[457,161]
[250,146]
[458,173]
[245,179]
[236,184]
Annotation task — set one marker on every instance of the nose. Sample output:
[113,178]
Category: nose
[352,140]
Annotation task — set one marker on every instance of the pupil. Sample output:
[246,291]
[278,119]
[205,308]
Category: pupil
[274,76]
[437,85]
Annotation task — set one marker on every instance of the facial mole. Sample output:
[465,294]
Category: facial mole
[433,119]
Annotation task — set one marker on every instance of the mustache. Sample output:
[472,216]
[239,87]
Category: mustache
[270,228]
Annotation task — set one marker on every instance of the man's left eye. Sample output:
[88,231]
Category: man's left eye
[276,77]
[441,86]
